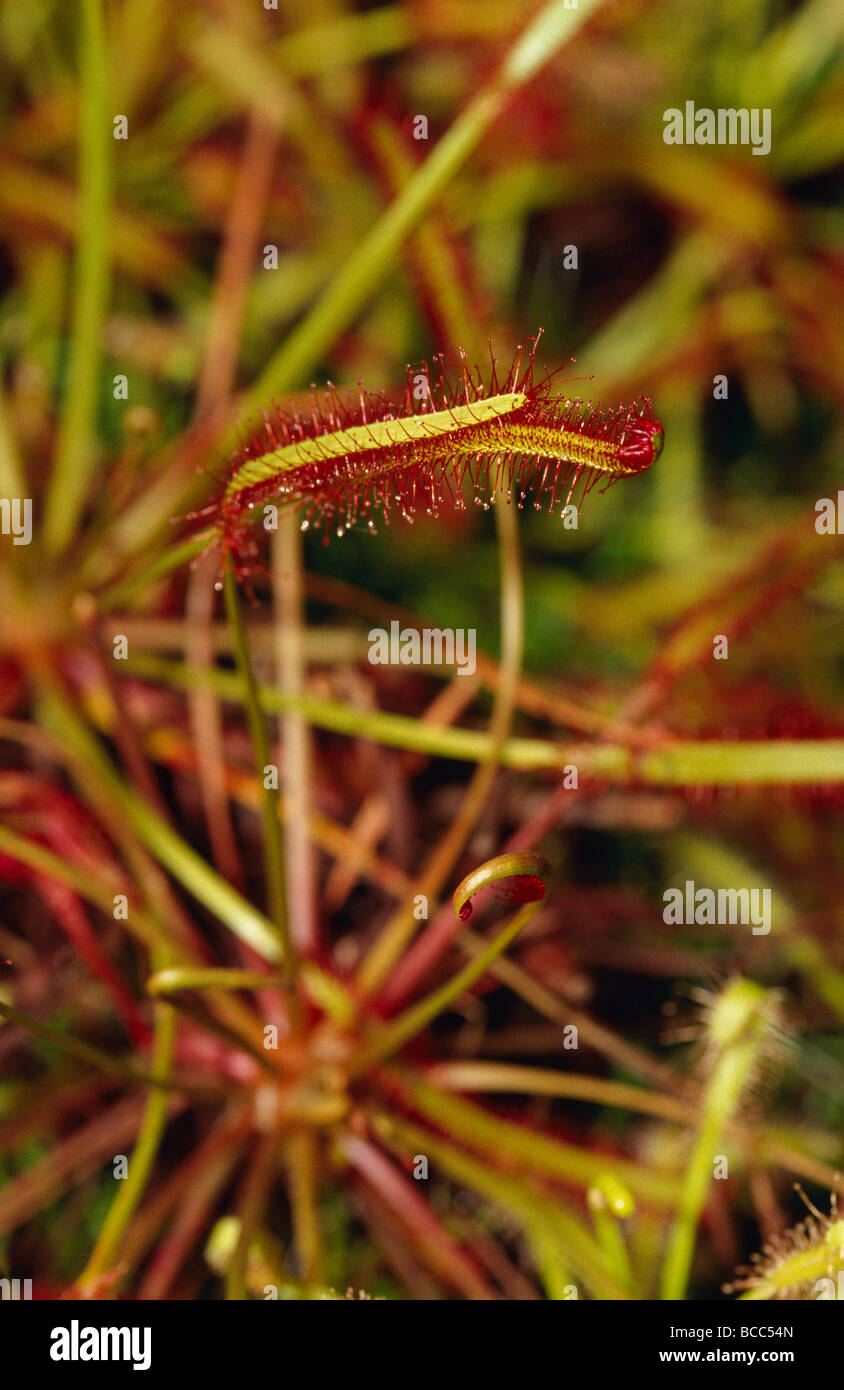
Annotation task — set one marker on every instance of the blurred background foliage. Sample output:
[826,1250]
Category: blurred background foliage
[293,128]
[692,260]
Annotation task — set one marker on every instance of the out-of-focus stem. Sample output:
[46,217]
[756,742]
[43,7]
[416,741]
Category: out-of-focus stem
[157,836]
[680,762]
[398,931]
[739,1023]
[545,33]
[294,733]
[12,482]
[302,1159]
[419,1015]
[272,838]
[131,1189]
[253,1202]
[76,447]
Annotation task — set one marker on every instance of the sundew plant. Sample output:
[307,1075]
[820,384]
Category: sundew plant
[421,603]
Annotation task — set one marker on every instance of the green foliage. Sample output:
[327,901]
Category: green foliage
[402,1035]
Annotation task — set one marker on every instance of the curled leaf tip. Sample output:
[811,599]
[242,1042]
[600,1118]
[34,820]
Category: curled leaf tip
[519,877]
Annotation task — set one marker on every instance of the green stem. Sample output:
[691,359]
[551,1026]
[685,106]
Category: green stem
[419,1015]
[681,763]
[741,1009]
[271,839]
[143,1157]
[294,735]
[609,1201]
[12,481]
[364,271]
[188,867]
[536,1211]
[205,977]
[395,936]
[512,1079]
[550,1263]
[82,1051]
[522,1148]
[251,1207]
[76,445]
[611,1241]
[302,1156]
[117,594]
